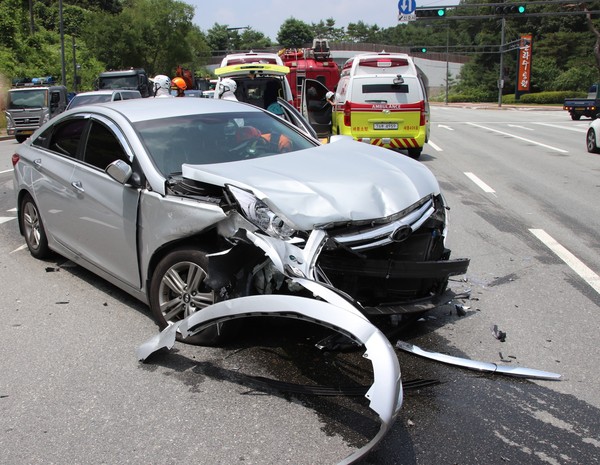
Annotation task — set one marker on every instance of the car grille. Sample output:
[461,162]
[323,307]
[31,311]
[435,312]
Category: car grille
[395,230]
[394,260]
[25,122]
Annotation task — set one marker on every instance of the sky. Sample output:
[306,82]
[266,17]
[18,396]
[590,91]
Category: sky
[267,16]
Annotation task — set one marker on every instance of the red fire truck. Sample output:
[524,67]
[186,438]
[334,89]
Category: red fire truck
[310,63]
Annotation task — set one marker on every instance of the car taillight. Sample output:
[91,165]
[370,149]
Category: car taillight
[423,119]
[15,159]
[347,114]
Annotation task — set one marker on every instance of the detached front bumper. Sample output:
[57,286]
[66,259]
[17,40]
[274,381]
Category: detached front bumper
[385,394]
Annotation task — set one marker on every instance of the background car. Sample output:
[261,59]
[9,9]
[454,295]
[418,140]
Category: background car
[591,138]
[184,203]
[98,96]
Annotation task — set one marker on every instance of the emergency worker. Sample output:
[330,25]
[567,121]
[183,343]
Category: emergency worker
[179,84]
[270,98]
[161,86]
[227,88]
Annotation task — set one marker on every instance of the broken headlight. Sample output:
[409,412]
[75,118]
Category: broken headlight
[258,212]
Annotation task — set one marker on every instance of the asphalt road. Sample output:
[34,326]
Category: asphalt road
[72,391]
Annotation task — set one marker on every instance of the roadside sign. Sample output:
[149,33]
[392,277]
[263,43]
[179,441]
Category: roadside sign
[406,10]
[406,7]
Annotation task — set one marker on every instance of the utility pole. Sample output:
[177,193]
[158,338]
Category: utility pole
[62,43]
[501,80]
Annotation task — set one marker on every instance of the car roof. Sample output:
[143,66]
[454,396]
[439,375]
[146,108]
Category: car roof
[144,109]
[106,92]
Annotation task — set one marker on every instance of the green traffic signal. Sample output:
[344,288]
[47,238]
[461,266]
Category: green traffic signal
[423,50]
[521,9]
[442,12]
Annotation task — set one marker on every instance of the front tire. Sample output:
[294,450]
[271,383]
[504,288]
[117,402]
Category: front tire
[33,228]
[590,141]
[21,139]
[178,289]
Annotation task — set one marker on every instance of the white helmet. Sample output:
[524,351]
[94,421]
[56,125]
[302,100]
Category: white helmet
[227,85]
[161,82]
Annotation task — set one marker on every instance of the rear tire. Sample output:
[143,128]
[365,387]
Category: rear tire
[178,289]
[590,142]
[575,116]
[33,228]
[415,153]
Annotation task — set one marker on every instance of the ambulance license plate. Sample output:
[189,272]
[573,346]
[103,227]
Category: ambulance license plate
[385,125]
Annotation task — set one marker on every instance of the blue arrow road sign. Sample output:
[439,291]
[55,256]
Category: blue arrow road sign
[407,7]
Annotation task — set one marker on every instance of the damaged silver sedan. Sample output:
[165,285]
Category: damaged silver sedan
[210,210]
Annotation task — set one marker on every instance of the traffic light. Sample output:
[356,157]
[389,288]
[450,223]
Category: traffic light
[418,49]
[510,9]
[430,12]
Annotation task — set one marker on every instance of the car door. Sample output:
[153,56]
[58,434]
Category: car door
[105,211]
[315,107]
[293,116]
[50,166]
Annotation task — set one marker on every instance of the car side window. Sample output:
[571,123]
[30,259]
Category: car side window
[102,147]
[64,137]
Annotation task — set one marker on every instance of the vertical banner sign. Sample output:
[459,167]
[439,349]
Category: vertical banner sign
[524,64]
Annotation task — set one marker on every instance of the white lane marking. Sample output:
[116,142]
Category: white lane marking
[6,219]
[520,127]
[24,246]
[571,260]
[568,128]
[520,138]
[480,183]
[445,127]
[6,171]
[12,210]
[435,147]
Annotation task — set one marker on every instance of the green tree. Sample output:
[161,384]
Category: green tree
[361,32]
[327,30]
[151,34]
[294,33]
[219,37]
[253,40]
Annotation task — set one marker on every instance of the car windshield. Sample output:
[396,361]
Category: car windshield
[30,98]
[217,138]
[118,82]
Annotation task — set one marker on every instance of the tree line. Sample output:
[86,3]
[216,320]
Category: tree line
[160,35]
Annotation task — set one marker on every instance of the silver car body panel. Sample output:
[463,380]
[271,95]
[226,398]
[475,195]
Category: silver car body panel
[519,372]
[385,395]
[307,197]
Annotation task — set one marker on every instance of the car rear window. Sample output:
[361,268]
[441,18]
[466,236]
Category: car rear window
[376,91]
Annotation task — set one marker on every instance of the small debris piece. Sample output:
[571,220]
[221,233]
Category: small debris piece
[409,422]
[500,335]
[62,302]
[461,310]
[105,304]
[51,269]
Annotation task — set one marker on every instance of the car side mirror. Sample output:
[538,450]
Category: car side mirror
[119,171]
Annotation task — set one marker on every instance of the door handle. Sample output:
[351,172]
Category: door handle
[78,186]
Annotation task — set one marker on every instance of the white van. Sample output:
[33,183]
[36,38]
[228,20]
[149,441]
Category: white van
[381,100]
[253,73]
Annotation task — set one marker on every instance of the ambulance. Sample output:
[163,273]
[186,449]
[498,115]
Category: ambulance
[252,72]
[380,100]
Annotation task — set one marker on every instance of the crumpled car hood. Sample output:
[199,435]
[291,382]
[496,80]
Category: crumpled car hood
[342,181]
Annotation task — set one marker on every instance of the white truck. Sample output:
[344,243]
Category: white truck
[31,104]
